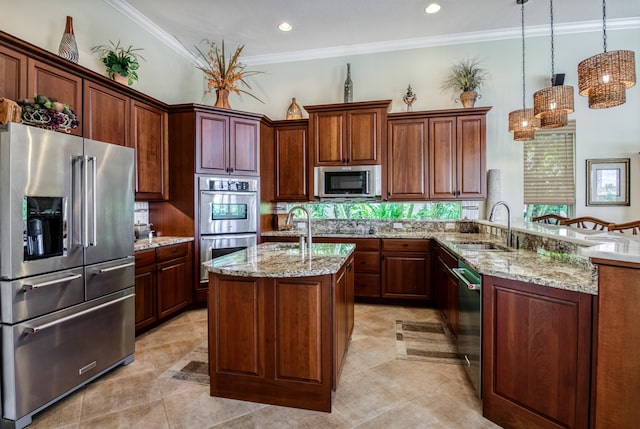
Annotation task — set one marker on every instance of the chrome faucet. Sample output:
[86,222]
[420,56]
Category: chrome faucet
[493,212]
[288,222]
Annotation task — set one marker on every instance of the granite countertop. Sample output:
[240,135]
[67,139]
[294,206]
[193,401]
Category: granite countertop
[282,260]
[144,244]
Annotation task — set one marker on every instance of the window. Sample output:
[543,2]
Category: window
[549,172]
[382,210]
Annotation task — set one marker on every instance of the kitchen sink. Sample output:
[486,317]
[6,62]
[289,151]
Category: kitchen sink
[482,246]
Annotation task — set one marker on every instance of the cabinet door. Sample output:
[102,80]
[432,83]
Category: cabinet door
[407,160]
[244,147]
[173,286]
[364,137]
[56,83]
[537,359]
[328,130]
[212,134]
[149,127]
[442,158]
[340,321]
[471,164]
[13,74]
[106,115]
[291,164]
[145,307]
[405,275]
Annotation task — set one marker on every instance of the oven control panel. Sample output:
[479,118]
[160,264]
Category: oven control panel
[226,184]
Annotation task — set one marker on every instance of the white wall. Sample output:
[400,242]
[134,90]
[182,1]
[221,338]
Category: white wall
[608,133]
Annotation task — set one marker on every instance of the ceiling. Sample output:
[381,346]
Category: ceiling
[329,28]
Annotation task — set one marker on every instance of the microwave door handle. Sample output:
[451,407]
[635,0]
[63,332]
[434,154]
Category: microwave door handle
[94,201]
[367,182]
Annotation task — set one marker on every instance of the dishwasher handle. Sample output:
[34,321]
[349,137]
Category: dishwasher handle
[460,274]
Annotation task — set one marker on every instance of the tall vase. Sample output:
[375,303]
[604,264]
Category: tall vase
[222,98]
[348,86]
[68,48]
[294,111]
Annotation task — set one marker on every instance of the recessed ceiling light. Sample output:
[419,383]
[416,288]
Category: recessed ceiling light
[432,8]
[285,26]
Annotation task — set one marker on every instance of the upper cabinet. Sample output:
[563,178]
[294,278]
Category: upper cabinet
[13,74]
[227,145]
[106,114]
[149,132]
[290,162]
[347,133]
[407,155]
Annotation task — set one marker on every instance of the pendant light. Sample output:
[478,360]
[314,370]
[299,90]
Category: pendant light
[605,77]
[522,123]
[552,105]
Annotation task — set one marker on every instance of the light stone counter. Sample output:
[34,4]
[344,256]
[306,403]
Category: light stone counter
[282,260]
[144,243]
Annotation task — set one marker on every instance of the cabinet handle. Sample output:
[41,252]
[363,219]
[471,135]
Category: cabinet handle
[230,169]
[405,244]
[349,266]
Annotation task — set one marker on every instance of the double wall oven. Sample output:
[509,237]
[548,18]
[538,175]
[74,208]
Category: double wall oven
[228,216]
[66,266]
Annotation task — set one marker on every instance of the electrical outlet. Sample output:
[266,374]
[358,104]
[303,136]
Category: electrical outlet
[397,225]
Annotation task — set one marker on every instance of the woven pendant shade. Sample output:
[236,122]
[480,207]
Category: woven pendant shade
[522,123]
[605,77]
[522,136]
[555,119]
[552,104]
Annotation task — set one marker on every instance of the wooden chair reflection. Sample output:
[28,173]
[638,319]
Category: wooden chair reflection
[633,226]
[587,222]
[551,218]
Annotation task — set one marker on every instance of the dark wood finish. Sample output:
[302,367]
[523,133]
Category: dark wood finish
[633,226]
[343,317]
[179,250]
[145,286]
[406,269]
[442,158]
[403,245]
[244,147]
[150,139]
[328,133]
[367,285]
[291,167]
[616,369]
[174,278]
[407,159]
[551,218]
[365,135]
[586,222]
[445,287]
[54,82]
[367,261]
[107,114]
[536,359]
[13,74]
[268,174]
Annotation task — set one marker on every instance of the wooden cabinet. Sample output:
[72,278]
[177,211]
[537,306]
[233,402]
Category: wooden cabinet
[445,287]
[537,355]
[54,82]
[291,163]
[13,74]
[457,160]
[406,269]
[107,114]
[227,145]
[163,283]
[343,316]
[349,133]
[150,141]
[407,159]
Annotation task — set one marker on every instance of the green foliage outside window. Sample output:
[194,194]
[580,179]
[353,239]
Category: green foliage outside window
[535,210]
[379,210]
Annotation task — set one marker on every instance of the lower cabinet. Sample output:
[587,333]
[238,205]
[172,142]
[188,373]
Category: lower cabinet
[163,283]
[445,287]
[406,269]
[536,355]
[343,317]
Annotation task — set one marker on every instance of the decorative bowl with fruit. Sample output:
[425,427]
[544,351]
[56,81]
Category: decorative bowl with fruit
[48,113]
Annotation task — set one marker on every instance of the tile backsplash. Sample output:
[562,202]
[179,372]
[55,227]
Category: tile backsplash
[141,212]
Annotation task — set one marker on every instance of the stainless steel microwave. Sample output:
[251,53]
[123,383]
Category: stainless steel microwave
[348,181]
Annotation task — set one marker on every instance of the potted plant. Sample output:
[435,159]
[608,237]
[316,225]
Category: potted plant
[121,63]
[224,75]
[466,76]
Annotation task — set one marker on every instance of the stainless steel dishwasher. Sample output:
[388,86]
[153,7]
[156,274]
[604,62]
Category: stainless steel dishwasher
[470,322]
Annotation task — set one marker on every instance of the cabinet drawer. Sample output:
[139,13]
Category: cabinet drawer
[367,285]
[403,245]
[145,257]
[174,251]
[447,258]
[361,243]
[367,262]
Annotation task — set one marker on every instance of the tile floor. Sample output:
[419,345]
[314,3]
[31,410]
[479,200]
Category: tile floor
[376,390]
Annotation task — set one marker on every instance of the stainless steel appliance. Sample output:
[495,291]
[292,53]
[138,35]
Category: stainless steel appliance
[348,181]
[66,265]
[228,216]
[470,322]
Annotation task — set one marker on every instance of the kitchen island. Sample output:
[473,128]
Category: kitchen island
[280,320]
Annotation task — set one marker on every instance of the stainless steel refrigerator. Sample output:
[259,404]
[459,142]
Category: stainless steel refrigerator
[66,265]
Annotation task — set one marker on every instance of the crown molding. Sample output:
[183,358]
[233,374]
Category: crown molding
[370,48]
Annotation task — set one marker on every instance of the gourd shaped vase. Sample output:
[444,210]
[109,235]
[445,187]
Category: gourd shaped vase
[294,111]
[68,48]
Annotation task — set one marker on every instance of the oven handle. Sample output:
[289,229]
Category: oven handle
[367,182]
[36,329]
[117,267]
[33,286]
[459,273]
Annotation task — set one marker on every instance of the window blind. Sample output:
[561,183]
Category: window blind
[549,173]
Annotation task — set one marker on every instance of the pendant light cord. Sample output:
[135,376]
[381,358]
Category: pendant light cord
[523,65]
[552,49]
[604,24]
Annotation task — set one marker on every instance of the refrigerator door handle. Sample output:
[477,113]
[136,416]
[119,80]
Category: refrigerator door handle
[85,198]
[94,201]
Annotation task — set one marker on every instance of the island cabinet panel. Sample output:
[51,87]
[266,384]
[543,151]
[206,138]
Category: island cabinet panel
[536,355]
[407,159]
[13,74]
[298,330]
[53,82]
[343,317]
[238,341]
[106,115]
